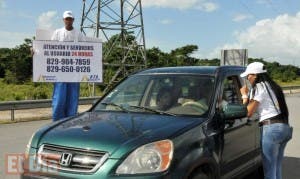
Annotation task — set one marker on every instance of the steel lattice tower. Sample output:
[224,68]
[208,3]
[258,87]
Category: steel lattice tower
[119,24]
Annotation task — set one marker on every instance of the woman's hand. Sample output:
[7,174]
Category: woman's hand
[252,104]
[244,90]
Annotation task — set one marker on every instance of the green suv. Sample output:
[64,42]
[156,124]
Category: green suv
[175,122]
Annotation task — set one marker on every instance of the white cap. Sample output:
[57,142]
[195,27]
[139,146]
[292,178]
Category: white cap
[68,14]
[254,68]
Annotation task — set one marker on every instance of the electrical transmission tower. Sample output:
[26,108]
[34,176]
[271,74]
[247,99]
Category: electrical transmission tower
[119,24]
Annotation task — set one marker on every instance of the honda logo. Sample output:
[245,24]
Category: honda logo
[65,159]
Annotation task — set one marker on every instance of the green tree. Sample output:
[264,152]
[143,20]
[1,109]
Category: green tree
[207,62]
[4,59]
[182,56]
[17,63]
[23,61]
[114,54]
[157,58]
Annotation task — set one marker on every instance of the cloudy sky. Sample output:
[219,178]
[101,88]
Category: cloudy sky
[269,29]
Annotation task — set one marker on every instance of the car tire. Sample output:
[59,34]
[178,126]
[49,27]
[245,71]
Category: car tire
[260,172]
[200,175]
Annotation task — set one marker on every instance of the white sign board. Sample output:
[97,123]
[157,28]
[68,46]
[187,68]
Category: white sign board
[234,57]
[67,61]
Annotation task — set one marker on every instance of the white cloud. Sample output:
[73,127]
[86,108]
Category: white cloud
[12,39]
[275,39]
[203,5]
[241,17]
[208,6]
[165,21]
[47,20]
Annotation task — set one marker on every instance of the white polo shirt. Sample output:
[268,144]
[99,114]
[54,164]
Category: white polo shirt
[63,34]
[266,108]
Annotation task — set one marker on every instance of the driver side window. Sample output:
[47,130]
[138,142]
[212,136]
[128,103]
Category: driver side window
[230,91]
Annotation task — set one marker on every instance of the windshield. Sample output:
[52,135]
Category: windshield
[164,94]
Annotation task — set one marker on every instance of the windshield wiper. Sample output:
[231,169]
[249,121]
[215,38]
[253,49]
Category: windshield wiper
[116,105]
[153,110]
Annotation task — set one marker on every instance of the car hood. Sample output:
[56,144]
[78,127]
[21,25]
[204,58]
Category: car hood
[111,131]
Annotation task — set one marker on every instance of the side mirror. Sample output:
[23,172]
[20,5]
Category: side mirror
[234,111]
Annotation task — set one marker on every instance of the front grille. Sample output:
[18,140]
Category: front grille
[70,159]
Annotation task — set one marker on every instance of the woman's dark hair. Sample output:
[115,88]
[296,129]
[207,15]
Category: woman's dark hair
[264,77]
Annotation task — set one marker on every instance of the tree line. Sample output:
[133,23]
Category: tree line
[16,63]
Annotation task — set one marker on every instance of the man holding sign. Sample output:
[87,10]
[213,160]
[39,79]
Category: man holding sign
[66,94]
[66,59]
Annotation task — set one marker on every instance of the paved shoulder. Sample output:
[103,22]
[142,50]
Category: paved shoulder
[13,140]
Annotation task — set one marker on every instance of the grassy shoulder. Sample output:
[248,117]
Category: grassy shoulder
[291,83]
[34,91]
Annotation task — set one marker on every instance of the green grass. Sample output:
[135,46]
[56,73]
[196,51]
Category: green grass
[292,83]
[33,91]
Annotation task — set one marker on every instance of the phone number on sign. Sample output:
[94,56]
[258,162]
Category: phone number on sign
[69,69]
[66,61]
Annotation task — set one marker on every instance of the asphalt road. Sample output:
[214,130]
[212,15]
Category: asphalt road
[14,137]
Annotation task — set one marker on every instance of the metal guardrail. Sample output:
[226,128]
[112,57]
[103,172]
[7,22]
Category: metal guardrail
[291,89]
[33,104]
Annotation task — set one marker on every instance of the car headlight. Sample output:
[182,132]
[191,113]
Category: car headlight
[149,158]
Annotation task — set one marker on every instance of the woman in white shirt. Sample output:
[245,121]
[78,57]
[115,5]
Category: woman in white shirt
[267,99]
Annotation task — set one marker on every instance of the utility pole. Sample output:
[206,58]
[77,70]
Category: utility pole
[119,24]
